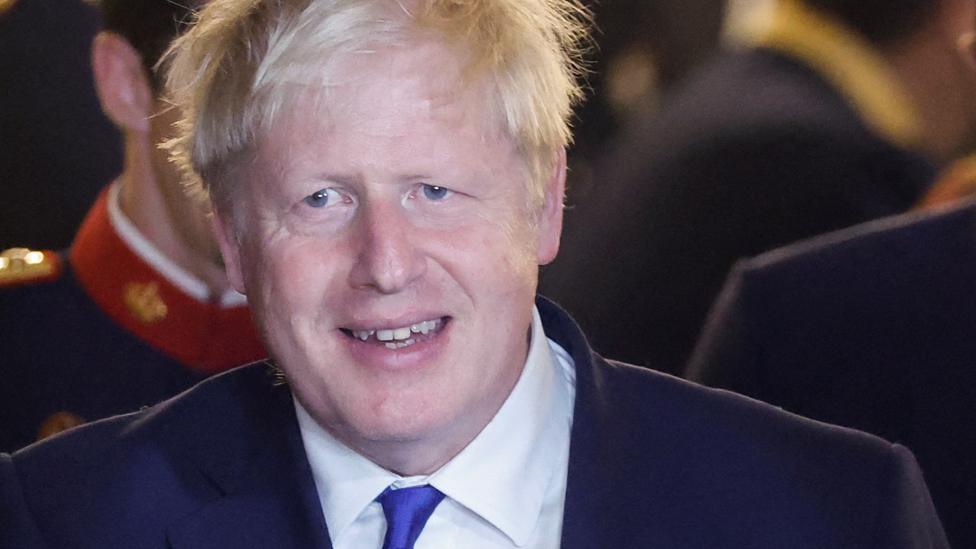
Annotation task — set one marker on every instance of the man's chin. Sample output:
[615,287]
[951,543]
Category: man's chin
[404,451]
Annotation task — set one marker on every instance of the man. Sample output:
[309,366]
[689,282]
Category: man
[386,177]
[872,328]
[139,308]
[835,115]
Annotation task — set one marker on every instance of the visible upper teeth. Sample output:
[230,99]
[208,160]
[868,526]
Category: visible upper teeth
[399,334]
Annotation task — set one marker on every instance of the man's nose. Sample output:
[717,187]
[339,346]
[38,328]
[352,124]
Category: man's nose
[388,257]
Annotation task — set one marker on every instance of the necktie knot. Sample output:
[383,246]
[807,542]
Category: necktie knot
[407,511]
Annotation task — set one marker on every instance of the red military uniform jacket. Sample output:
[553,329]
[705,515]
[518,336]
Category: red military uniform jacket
[104,328]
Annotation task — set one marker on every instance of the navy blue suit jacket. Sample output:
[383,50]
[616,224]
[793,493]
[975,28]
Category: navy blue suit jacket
[756,151]
[873,327]
[654,462]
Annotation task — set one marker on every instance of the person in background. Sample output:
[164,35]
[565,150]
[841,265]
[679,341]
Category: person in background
[871,328]
[836,112]
[139,307]
[58,148]
[386,179]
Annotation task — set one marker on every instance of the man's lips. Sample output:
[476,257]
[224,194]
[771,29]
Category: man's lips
[399,337]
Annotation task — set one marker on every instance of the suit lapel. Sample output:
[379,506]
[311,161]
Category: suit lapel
[262,514]
[621,479]
[585,497]
[263,494]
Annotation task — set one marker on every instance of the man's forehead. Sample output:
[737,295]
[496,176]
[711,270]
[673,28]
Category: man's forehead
[346,135]
[341,119]
[384,87]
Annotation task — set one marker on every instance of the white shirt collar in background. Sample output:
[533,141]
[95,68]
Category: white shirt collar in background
[141,246]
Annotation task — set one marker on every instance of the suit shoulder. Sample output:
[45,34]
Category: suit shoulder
[197,411]
[721,416]
[151,465]
[768,472]
[720,435]
[759,121]
[742,91]
[917,232]
[27,267]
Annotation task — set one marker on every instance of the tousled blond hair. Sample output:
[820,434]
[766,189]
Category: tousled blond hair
[233,74]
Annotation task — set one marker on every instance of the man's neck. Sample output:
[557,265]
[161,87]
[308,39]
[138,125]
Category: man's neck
[142,202]
[424,457]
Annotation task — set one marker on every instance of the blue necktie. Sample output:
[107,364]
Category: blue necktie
[407,511]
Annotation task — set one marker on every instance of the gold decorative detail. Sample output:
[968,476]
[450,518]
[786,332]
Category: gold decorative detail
[144,301]
[61,421]
[18,264]
[6,5]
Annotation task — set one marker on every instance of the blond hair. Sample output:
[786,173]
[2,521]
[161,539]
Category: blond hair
[234,72]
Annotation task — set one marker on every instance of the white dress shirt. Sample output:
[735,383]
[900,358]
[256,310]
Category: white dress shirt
[505,489]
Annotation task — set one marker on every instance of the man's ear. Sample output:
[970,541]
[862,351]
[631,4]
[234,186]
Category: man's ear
[967,48]
[230,249]
[956,20]
[121,82]
[551,218]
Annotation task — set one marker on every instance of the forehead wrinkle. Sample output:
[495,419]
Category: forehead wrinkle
[435,81]
[322,114]
[450,108]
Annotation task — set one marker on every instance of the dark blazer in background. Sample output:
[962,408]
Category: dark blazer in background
[874,328]
[57,149]
[654,462]
[754,152]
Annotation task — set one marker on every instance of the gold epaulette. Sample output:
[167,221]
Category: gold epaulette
[20,265]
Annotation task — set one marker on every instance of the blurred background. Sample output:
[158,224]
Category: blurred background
[57,149]
[714,132]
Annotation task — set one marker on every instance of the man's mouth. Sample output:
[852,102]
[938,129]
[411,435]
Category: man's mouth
[399,337]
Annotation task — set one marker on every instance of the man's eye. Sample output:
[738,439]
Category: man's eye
[435,193]
[322,198]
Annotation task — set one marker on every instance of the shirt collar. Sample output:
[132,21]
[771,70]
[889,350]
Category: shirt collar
[346,481]
[844,58]
[501,476]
